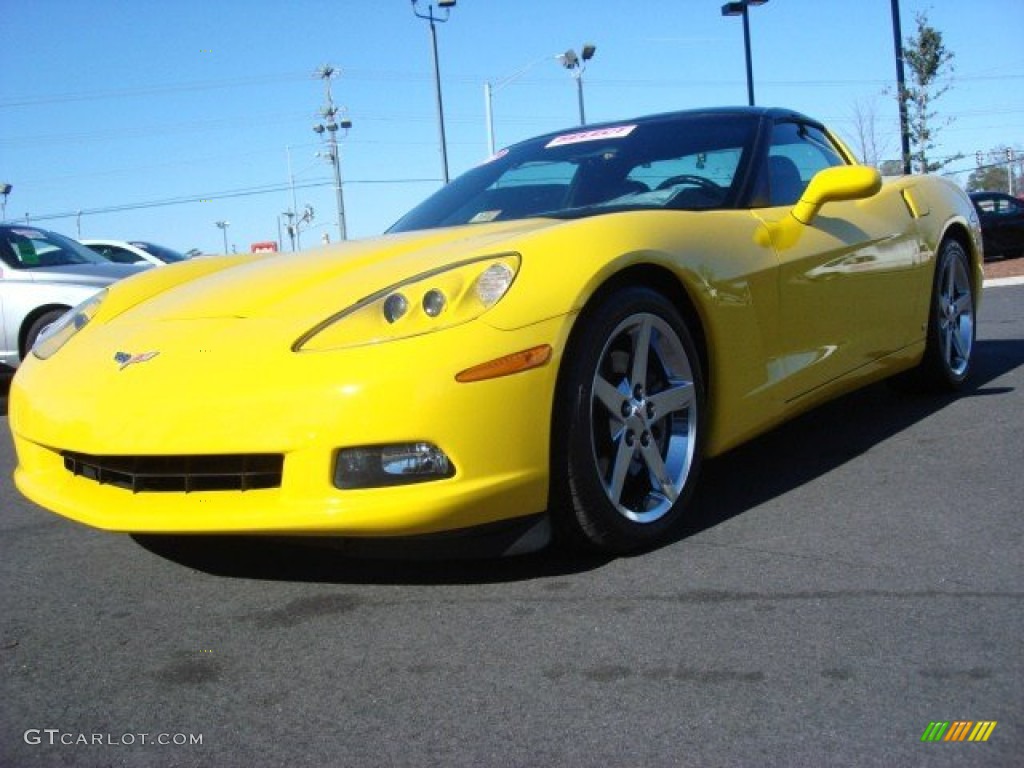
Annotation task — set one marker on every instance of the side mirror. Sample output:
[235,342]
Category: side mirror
[842,182]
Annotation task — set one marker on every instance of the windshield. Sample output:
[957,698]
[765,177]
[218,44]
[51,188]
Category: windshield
[679,162]
[31,248]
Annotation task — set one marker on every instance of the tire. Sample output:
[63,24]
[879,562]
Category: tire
[628,427]
[47,318]
[949,345]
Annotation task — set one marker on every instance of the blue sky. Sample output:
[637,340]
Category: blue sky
[110,106]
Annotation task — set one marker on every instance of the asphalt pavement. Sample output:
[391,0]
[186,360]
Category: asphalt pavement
[846,581]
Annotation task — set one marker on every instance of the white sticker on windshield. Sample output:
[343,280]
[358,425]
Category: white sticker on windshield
[616,132]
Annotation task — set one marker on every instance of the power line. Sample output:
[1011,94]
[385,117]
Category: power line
[227,194]
[157,90]
[369,75]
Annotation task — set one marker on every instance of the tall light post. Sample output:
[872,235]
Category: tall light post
[223,226]
[576,64]
[446,6]
[901,87]
[330,127]
[491,88]
[740,9]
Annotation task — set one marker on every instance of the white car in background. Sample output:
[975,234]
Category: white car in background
[134,252]
[42,276]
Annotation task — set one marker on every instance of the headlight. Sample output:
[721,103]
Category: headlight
[56,335]
[423,304]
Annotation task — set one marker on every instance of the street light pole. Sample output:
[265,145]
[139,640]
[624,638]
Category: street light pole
[740,8]
[577,65]
[579,98]
[429,16]
[901,88]
[491,88]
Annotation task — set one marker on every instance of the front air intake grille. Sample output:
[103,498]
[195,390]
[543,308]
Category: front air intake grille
[179,474]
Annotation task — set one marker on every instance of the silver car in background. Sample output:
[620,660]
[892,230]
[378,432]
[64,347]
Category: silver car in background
[42,275]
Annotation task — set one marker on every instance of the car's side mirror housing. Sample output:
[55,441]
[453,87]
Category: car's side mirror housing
[841,182]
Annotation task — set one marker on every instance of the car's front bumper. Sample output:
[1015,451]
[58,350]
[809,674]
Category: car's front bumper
[207,392]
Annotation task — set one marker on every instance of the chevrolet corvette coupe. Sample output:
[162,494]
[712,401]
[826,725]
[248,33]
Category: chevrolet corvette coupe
[548,345]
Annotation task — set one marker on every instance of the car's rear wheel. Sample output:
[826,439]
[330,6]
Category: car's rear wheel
[951,323]
[629,424]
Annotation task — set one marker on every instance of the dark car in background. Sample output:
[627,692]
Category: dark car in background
[1002,223]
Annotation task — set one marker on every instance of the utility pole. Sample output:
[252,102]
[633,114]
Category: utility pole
[295,222]
[329,112]
[223,227]
[1009,171]
[5,190]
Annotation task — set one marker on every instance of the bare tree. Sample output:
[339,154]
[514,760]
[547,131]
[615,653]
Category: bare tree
[870,145]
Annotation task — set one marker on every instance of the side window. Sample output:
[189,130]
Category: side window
[716,166]
[8,254]
[797,152]
[1006,206]
[121,255]
[115,254]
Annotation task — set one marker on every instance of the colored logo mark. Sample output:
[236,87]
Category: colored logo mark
[124,359]
[959,730]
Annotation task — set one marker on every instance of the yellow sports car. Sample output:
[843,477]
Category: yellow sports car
[551,343]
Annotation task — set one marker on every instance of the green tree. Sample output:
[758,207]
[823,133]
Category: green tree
[929,61]
[993,172]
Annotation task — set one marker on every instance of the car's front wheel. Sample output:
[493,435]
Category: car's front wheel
[629,424]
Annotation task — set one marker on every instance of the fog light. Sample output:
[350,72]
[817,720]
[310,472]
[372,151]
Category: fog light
[383,466]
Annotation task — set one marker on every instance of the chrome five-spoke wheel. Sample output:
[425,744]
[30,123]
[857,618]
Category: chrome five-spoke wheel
[949,345]
[955,315]
[629,422]
[644,420]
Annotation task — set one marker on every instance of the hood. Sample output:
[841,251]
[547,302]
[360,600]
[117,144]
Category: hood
[305,287]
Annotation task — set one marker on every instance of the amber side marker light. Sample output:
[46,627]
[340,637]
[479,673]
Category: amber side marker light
[534,357]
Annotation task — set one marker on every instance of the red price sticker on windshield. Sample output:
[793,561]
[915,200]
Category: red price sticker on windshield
[616,132]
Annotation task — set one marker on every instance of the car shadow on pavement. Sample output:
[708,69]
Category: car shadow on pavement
[310,560]
[752,474]
[827,437]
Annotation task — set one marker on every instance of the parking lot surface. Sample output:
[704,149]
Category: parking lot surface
[847,580]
